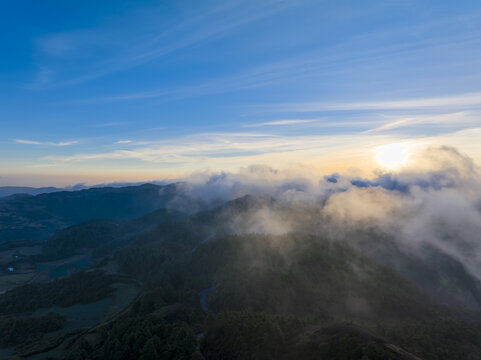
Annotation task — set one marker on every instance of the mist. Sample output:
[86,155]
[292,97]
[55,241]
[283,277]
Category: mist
[434,202]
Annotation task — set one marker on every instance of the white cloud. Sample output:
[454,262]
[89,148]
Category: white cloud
[48,143]
[232,150]
[460,118]
[282,122]
[150,40]
[468,100]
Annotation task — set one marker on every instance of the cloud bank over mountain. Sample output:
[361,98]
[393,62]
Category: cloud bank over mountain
[432,202]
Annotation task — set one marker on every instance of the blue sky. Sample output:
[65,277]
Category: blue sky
[141,90]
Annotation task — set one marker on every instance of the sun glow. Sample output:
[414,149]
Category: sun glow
[392,156]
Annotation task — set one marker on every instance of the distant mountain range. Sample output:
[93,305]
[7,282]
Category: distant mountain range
[24,216]
[12,190]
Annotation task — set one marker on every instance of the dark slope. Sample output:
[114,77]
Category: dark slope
[290,296]
[104,235]
[303,275]
[232,217]
[439,274]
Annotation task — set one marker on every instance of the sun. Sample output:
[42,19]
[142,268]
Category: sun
[392,156]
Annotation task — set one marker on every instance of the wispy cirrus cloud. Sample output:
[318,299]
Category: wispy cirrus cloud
[358,51]
[466,101]
[460,119]
[297,68]
[205,146]
[47,143]
[282,122]
[150,41]
[260,76]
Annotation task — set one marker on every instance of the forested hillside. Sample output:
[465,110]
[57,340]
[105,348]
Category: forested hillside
[201,288]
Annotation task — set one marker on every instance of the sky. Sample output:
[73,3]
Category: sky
[109,91]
